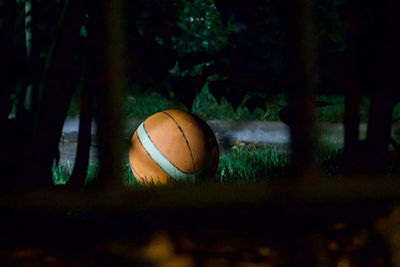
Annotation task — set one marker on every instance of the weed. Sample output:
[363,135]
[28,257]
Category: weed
[61,173]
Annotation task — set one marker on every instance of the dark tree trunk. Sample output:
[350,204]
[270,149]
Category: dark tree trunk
[109,72]
[8,68]
[58,88]
[379,131]
[303,73]
[351,132]
[386,64]
[79,173]
[35,70]
[27,106]
[350,78]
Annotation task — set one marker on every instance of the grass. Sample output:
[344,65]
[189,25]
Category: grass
[245,165]
[240,166]
[62,173]
[140,104]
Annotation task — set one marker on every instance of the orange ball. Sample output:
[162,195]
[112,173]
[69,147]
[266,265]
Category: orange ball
[173,144]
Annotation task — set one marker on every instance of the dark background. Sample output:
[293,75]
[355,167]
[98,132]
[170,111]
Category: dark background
[260,48]
[257,48]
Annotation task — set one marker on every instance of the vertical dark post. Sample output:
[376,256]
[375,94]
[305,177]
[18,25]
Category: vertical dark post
[303,73]
[302,59]
[110,80]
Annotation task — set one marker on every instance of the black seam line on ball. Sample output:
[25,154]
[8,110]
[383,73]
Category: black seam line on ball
[184,136]
[135,172]
[144,128]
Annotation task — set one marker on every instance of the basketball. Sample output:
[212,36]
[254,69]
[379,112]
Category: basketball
[173,145]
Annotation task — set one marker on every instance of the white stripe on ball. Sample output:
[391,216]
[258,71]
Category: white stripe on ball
[160,159]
